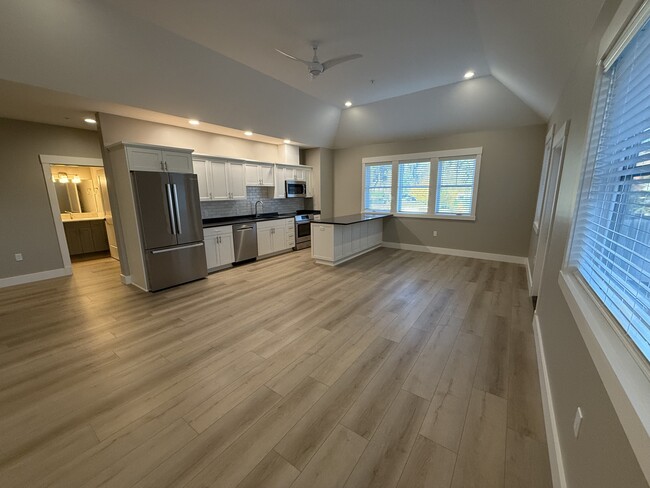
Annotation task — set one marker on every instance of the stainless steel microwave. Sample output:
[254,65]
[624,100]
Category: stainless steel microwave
[295,188]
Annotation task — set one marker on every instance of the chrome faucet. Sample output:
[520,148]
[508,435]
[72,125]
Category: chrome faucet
[261,203]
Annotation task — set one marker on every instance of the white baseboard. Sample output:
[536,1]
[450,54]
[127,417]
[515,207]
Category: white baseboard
[529,276]
[457,252]
[552,437]
[33,277]
[126,279]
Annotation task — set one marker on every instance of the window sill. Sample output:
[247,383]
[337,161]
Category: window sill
[625,380]
[435,217]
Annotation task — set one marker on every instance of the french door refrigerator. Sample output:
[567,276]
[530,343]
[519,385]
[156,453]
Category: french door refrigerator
[170,227]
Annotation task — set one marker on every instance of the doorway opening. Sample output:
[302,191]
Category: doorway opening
[81,209]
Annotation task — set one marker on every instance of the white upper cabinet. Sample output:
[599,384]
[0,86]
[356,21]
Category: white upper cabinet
[237,181]
[220,180]
[259,174]
[151,158]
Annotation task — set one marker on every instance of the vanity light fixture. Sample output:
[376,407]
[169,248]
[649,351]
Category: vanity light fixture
[348,104]
[63,178]
[194,122]
[76,179]
[469,75]
[90,120]
[248,133]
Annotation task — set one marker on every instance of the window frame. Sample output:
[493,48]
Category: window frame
[433,157]
[624,371]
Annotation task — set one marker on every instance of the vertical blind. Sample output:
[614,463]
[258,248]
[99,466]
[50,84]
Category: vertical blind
[413,187]
[611,243]
[455,189]
[378,187]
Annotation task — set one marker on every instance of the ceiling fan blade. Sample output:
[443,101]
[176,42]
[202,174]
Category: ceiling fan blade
[333,62]
[293,57]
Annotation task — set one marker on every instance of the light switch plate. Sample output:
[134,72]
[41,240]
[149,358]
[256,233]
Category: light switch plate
[577,421]
[18,256]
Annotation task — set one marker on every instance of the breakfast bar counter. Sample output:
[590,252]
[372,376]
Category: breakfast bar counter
[335,240]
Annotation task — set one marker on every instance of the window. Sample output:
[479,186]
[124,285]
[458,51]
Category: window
[378,184]
[413,187]
[441,184]
[611,240]
[455,188]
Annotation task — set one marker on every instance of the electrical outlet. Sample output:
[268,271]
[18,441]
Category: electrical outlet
[577,422]
[435,233]
[18,256]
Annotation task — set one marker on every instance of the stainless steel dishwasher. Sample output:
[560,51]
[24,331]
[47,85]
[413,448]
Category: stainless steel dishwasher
[245,241]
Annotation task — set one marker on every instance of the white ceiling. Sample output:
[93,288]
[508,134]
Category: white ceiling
[214,60]
[407,46]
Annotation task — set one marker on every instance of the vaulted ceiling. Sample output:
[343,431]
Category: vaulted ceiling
[216,61]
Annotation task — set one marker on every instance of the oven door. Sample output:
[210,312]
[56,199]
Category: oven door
[303,232]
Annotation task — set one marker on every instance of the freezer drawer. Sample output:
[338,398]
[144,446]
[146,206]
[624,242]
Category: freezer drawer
[175,265]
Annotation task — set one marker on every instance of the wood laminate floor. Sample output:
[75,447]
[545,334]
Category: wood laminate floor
[397,369]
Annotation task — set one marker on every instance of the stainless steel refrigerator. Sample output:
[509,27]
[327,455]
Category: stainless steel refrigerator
[170,227]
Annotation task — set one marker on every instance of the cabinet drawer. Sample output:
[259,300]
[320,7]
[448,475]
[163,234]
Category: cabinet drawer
[217,231]
[267,224]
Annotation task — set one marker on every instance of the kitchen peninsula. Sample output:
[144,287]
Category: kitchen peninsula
[339,239]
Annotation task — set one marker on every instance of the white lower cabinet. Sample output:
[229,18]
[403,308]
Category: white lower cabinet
[219,248]
[335,244]
[274,236]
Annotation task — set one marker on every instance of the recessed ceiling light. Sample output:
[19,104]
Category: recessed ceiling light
[89,120]
[248,133]
[348,103]
[287,141]
[193,122]
[469,74]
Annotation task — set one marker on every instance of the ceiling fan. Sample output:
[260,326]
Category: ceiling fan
[315,67]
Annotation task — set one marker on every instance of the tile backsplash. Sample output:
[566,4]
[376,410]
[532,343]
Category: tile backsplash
[232,208]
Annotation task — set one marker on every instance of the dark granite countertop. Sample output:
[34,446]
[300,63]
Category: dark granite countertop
[351,219]
[243,219]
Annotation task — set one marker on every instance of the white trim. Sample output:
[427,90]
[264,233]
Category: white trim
[327,262]
[70,160]
[550,421]
[625,381]
[529,277]
[56,215]
[449,153]
[126,279]
[505,258]
[31,278]
[631,29]
[427,216]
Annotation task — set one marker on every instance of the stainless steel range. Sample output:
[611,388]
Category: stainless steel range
[303,229]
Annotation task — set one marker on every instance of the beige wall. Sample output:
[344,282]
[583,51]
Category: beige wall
[601,456]
[25,214]
[510,168]
[116,129]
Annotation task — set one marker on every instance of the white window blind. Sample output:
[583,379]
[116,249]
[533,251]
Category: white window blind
[611,243]
[455,187]
[378,184]
[413,187]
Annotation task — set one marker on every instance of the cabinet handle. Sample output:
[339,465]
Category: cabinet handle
[162,166]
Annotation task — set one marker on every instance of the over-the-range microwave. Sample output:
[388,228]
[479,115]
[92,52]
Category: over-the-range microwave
[295,188]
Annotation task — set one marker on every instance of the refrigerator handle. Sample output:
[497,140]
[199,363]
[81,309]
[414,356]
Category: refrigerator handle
[170,203]
[176,210]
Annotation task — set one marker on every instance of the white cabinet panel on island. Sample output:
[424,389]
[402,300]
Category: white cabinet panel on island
[219,248]
[334,241]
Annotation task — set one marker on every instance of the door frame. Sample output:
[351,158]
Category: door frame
[46,161]
[552,185]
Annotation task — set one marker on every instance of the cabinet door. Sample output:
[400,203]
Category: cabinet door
[86,234]
[237,181]
[252,175]
[177,162]
[291,232]
[211,255]
[266,174]
[279,183]
[144,159]
[279,237]
[218,180]
[202,171]
[73,238]
[308,180]
[264,241]
[100,239]
[299,174]
[225,249]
